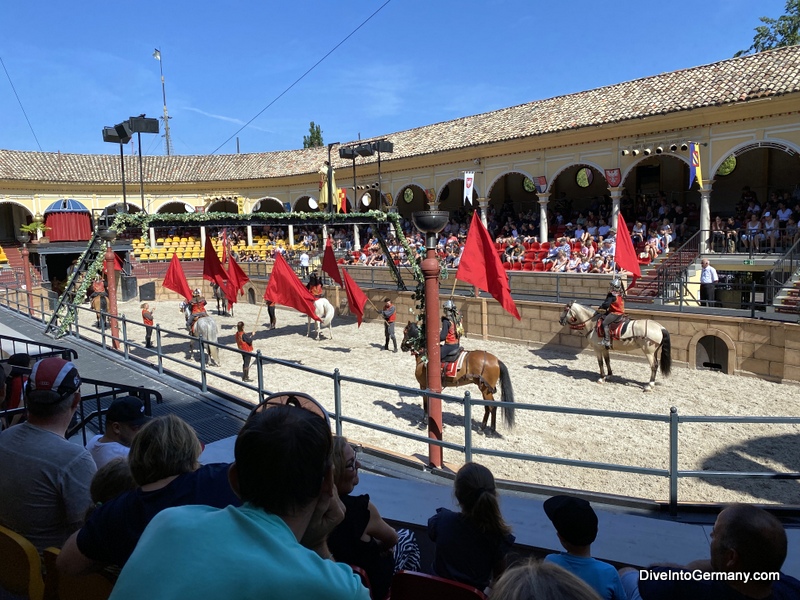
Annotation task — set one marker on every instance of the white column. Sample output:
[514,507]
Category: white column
[483,204]
[203,237]
[249,235]
[616,194]
[705,215]
[291,235]
[152,237]
[325,236]
[544,199]
[356,238]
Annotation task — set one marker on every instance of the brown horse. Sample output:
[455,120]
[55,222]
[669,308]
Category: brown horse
[99,303]
[479,367]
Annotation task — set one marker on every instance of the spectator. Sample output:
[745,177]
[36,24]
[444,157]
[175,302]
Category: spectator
[752,236]
[44,479]
[576,524]
[124,418]
[536,580]
[771,230]
[274,546]
[110,481]
[163,461]
[745,540]
[638,232]
[304,264]
[559,265]
[708,284]
[363,538]
[471,545]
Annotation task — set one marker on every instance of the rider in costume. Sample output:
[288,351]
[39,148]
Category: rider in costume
[450,333]
[198,309]
[614,305]
[98,287]
[315,286]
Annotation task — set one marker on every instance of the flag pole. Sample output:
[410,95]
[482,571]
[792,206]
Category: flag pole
[453,290]
[258,318]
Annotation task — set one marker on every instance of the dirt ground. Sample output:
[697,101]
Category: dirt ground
[540,376]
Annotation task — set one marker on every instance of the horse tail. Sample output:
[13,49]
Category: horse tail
[666,353]
[329,313]
[507,393]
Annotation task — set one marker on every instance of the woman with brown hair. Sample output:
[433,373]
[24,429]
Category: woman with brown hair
[471,545]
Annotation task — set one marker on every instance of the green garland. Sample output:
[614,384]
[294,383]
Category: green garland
[94,268]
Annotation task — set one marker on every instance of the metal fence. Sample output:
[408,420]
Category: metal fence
[469,449]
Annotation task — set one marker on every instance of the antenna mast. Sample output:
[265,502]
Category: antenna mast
[165,118]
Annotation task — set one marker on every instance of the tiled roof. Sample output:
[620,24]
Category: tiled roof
[772,73]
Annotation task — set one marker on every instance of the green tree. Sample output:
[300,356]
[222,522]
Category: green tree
[314,137]
[775,33]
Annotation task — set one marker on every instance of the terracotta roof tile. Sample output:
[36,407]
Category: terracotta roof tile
[766,74]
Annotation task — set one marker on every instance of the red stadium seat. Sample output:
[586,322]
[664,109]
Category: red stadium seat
[527,266]
[534,245]
[538,266]
[507,266]
[408,585]
[544,246]
[516,266]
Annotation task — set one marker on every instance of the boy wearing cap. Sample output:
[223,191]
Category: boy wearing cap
[576,525]
[124,418]
[44,478]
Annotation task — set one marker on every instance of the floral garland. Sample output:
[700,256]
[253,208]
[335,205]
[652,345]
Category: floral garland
[95,267]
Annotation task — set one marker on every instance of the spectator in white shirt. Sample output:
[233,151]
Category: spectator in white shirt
[708,283]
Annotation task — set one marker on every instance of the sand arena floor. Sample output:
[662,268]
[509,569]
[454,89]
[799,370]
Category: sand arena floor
[539,376]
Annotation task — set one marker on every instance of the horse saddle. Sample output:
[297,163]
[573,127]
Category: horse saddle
[617,329]
[451,367]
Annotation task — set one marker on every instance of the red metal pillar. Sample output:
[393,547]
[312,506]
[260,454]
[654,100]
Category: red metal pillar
[26,265]
[430,269]
[111,277]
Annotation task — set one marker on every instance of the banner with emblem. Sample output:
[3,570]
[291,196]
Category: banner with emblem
[613,177]
[430,194]
[541,184]
[469,183]
[695,169]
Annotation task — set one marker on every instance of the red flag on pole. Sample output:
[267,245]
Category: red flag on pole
[356,298]
[175,279]
[117,264]
[624,252]
[212,268]
[342,201]
[285,288]
[236,276]
[480,265]
[329,265]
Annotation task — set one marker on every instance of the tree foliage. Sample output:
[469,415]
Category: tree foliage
[314,137]
[775,33]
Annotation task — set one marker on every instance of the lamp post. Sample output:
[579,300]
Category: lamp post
[140,125]
[430,223]
[381,146]
[108,236]
[26,266]
[119,134]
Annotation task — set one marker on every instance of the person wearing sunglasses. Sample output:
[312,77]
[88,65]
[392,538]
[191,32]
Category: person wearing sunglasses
[275,545]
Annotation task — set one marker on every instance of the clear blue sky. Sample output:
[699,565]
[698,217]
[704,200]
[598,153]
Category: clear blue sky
[78,66]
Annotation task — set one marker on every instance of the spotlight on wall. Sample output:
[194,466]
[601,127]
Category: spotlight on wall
[659,149]
[635,152]
[626,152]
[647,151]
[684,146]
[673,148]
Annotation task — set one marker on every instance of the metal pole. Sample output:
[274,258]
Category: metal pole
[26,265]
[158,350]
[141,176]
[112,294]
[337,400]
[125,337]
[673,461]
[204,383]
[355,196]
[330,181]
[167,139]
[430,269]
[467,427]
[122,168]
[260,376]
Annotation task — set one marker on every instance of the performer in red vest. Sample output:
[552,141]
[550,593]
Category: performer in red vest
[244,341]
[389,313]
[147,319]
[449,333]
[614,305]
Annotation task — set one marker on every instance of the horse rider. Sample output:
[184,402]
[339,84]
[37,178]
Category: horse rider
[450,333]
[244,341]
[98,288]
[197,306]
[614,305]
[315,286]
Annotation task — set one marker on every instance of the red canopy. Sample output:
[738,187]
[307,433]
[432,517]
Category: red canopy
[68,226]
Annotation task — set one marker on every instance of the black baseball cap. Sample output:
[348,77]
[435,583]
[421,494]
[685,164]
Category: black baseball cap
[573,518]
[127,409]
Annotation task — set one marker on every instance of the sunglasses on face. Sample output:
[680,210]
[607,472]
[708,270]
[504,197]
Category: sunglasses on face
[296,399]
[352,465]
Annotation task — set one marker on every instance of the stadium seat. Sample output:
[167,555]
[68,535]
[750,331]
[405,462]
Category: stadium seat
[544,246]
[59,586]
[409,585]
[527,266]
[538,266]
[516,266]
[507,266]
[20,566]
[534,245]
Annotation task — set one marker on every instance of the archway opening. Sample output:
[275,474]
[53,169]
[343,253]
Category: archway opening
[712,354]
[269,205]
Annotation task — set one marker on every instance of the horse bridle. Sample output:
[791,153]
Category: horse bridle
[574,325]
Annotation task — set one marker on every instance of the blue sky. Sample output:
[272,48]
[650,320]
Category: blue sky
[78,66]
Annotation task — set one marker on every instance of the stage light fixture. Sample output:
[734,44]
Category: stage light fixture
[684,146]
[647,151]
[659,150]
[635,152]
[673,148]
[365,150]
[626,152]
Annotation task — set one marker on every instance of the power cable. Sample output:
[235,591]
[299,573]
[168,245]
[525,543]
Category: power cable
[299,79]
[20,104]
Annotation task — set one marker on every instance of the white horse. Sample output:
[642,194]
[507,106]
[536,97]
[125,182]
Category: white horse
[645,335]
[325,311]
[205,327]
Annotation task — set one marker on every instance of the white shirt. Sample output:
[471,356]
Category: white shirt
[708,275]
[104,452]
[304,260]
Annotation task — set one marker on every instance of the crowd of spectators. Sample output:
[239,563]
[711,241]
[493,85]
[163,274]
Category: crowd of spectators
[282,519]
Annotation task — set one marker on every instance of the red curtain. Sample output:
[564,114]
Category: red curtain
[69,226]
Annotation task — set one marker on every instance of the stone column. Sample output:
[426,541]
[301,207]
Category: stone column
[616,194]
[152,232]
[356,238]
[249,235]
[705,215]
[544,199]
[483,204]
[291,235]
[203,237]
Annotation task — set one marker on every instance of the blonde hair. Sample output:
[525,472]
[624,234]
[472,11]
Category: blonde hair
[536,580]
[163,447]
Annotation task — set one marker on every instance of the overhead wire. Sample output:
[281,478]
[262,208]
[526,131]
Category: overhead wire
[20,104]
[299,79]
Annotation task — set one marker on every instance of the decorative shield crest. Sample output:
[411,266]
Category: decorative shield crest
[613,177]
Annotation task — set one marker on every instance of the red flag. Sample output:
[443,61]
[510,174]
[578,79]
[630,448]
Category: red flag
[236,276]
[175,279]
[480,265]
[117,264]
[624,252]
[285,288]
[356,298]
[329,265]
[212,268]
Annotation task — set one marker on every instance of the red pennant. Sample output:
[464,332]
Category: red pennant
[356,298]
[175,279]
[480,265]
[285,288]
[212,268]
[329,265]
[624,252]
